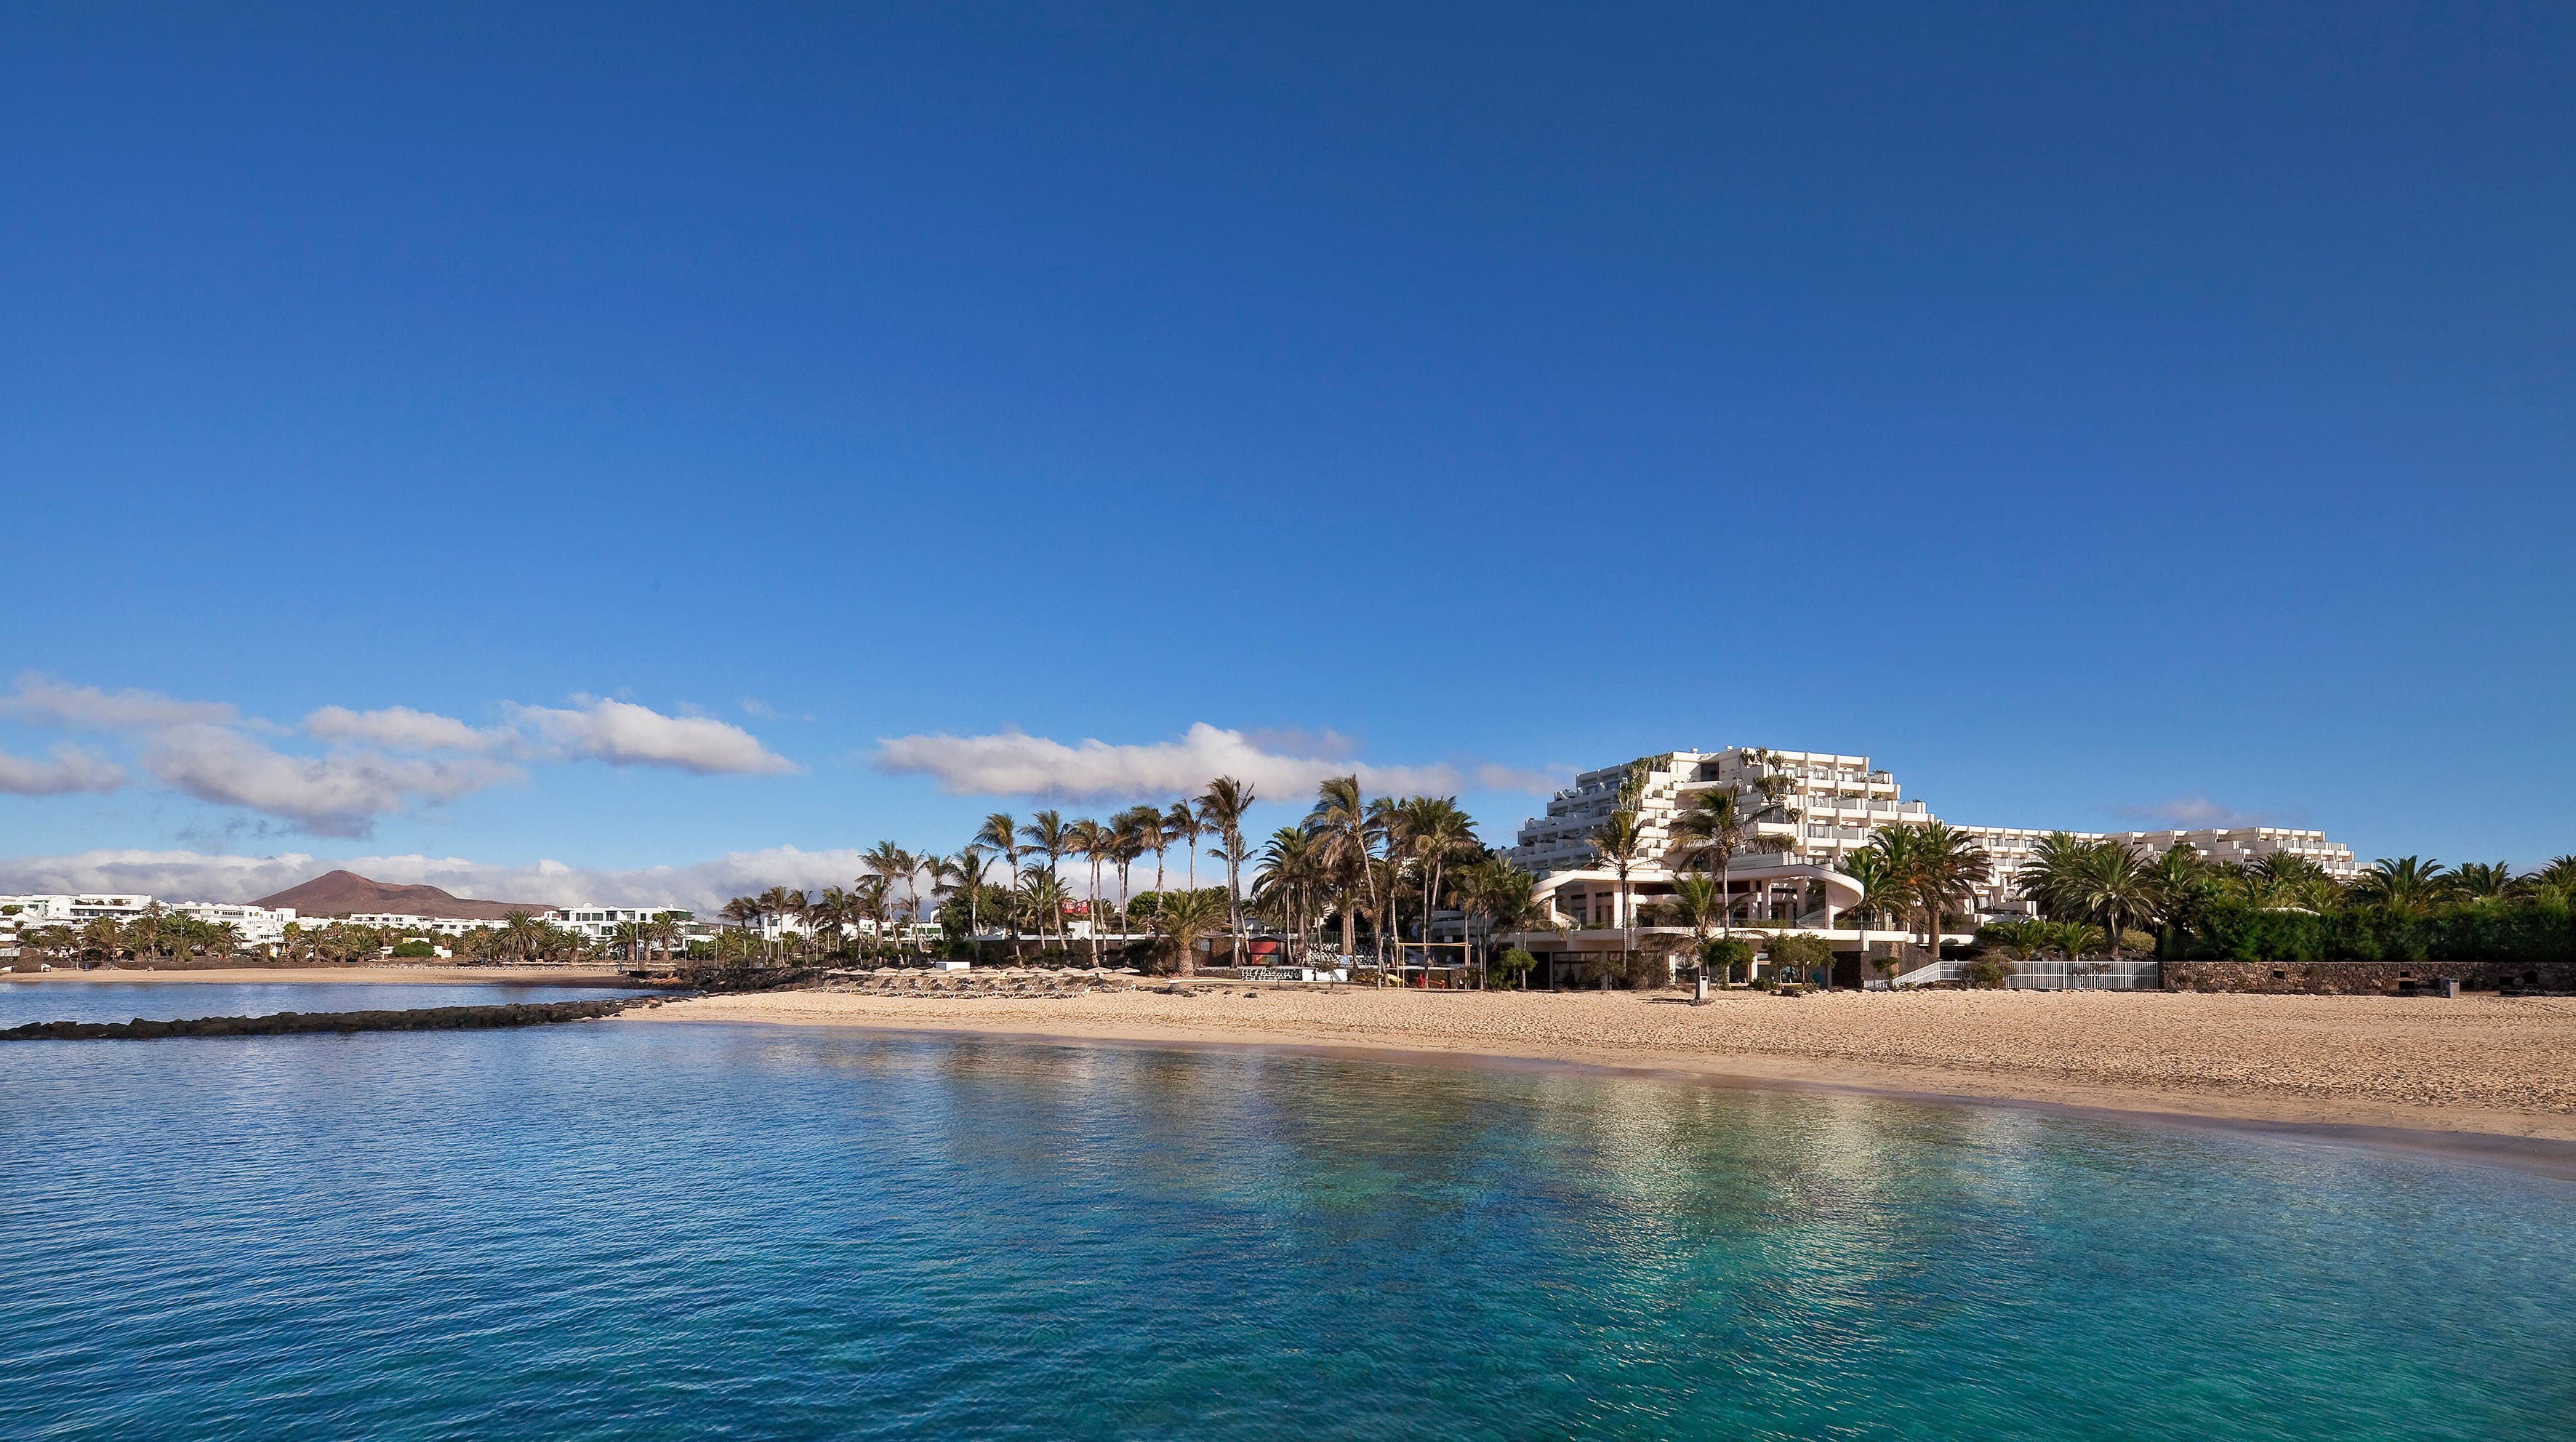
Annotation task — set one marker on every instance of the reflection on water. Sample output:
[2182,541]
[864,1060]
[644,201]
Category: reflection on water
[668,1230]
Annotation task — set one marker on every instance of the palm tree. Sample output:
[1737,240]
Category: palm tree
[1133,832]
[1697,902]
[1221,809]
[1040,895]
[1047,835]
[1094,843]
[891,864]
[1181,823]
[1156,828]
[869,899]
[524,934]
[2050,879]
[2113,887]
[1948,866]
[1344,845]
[144,933]
[780,903]
[830,914]
[1616,842]
[1510,899]
[1288,879]
[1432,831]
[2405,884]
[1880,885]
[2480,880]
[1184,920]
[2181,885]
[1002,834]
[1716,825]
[963,872]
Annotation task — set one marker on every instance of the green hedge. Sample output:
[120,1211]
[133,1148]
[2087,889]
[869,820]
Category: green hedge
[2472,931]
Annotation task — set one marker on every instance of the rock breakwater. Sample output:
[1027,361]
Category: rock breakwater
[434,1018]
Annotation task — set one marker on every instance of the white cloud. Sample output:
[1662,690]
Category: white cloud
[337,795]
[43,701]
[172,875]
[1016,764]
[71,769]
[2194,812]
[400,728]
[194,876]
[205,750]
[622,733]
[1490,777]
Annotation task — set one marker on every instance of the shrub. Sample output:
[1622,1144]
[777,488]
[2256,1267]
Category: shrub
[415,948]
[1720,956]
[1802,952]
[1989,972]
[2492,931]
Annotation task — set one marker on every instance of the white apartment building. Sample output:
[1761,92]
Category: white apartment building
[255,925]
[600,923]
[407,924]
[1829,805]
[77,909]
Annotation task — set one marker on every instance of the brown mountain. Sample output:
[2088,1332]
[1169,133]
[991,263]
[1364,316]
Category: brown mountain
[345,893]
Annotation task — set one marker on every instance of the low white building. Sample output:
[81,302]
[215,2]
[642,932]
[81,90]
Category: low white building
[255,925]
[406,923]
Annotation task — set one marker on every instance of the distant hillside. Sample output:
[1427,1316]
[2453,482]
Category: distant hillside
[345,893]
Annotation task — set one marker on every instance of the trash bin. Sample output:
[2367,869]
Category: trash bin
[2450,986]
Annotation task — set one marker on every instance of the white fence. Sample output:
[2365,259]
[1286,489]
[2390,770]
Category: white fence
[2100,973]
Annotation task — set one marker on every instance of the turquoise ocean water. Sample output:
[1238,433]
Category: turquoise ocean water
[22,1002]
[688,1230]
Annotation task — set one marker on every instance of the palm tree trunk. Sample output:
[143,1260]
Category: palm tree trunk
[1095,911]
[1628,923]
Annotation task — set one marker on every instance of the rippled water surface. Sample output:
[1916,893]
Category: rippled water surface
[25,1001]
[685,1230]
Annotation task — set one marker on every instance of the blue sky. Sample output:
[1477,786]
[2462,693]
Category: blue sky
[2092,415]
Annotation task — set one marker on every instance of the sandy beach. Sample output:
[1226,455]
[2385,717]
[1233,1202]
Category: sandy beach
[2476,1065]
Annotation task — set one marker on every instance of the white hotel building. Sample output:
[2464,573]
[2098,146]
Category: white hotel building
[1790,873]
[255,925]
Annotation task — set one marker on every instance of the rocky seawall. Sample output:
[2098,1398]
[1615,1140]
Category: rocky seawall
[285,1023]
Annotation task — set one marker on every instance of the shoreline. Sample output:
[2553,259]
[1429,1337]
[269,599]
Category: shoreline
[2136,1074]
[2540,1154]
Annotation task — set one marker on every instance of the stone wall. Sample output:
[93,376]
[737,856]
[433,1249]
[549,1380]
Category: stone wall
[2367,978]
